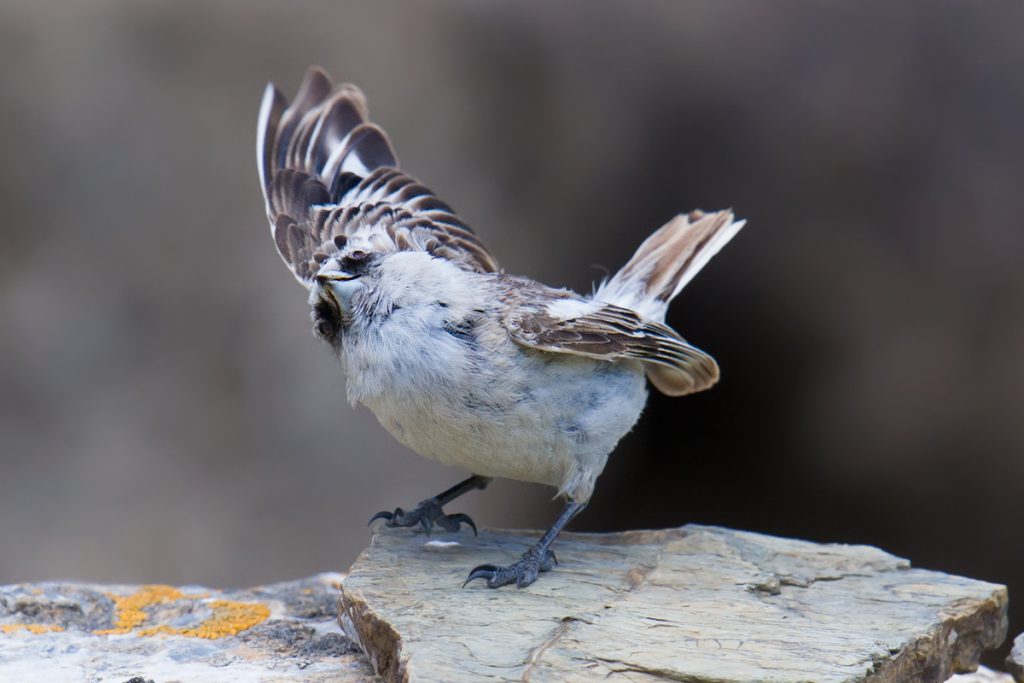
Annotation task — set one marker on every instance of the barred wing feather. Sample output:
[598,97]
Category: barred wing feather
[331,182]
[546,320]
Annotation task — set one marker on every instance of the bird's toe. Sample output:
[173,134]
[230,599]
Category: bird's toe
[426,515]
[521,573]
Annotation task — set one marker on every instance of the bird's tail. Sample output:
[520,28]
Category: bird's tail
[667,260]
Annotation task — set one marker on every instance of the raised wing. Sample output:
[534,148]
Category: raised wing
[559,322]
[331,183]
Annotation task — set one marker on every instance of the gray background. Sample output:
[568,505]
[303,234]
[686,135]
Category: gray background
[166,415]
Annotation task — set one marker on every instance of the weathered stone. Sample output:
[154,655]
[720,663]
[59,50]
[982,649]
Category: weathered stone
[1015,662]
[77,632]
[694,604]
[982,675]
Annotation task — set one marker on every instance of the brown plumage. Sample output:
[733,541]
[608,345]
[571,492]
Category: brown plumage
[329,178]
[674,253]
[608,332]
[497,374]
[332,184]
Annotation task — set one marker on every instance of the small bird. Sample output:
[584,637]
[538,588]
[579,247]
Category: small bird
[461,362]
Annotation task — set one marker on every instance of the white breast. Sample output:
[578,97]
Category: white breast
[443,377]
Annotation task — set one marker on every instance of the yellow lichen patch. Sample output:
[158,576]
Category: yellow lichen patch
[130,609]
[31,628]
[229,618]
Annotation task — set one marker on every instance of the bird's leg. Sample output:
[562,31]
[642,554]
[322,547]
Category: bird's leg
[539,558]
[430,513]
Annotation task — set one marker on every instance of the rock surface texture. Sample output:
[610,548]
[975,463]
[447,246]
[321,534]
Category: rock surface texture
[983,675]
[1015,662]
[158,634]
[690,604]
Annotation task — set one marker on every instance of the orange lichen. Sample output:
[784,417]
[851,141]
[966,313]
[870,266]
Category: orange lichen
[31,628]
[130,609]
[229,618]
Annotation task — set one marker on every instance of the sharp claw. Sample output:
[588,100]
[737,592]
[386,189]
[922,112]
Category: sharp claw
[522,573]
[460,518]
[484,571]
[426,515]
[383,514]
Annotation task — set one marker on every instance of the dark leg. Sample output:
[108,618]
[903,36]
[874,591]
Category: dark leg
[429,512]
[539,558]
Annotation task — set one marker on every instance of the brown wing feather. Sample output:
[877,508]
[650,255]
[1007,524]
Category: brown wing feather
[329,176]
[608,333]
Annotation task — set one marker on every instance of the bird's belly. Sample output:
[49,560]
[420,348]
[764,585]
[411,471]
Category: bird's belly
[530,416]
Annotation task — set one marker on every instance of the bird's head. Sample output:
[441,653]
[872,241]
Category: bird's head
[337,289]
[361,287]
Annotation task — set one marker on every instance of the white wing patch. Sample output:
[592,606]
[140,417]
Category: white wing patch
[565,309]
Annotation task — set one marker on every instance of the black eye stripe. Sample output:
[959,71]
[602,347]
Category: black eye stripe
[355,261]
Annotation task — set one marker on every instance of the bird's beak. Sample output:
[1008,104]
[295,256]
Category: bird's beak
[338,286]
[337,276]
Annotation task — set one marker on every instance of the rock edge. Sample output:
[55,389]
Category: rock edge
[695,603]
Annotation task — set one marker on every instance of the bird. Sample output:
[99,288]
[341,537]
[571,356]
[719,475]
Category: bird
[463,363]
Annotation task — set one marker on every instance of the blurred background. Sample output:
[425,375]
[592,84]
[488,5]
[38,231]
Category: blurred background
[167,416]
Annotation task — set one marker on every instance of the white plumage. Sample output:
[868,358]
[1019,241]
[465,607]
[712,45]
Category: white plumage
[496,374]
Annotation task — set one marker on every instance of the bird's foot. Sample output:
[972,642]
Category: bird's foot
[522,573]
[426,515]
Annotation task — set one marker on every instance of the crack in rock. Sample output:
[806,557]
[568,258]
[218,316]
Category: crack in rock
[690,604]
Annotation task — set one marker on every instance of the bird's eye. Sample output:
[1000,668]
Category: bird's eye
[354,261]
[324,328]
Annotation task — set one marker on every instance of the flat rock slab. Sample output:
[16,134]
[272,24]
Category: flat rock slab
[689,604]
[82,632]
